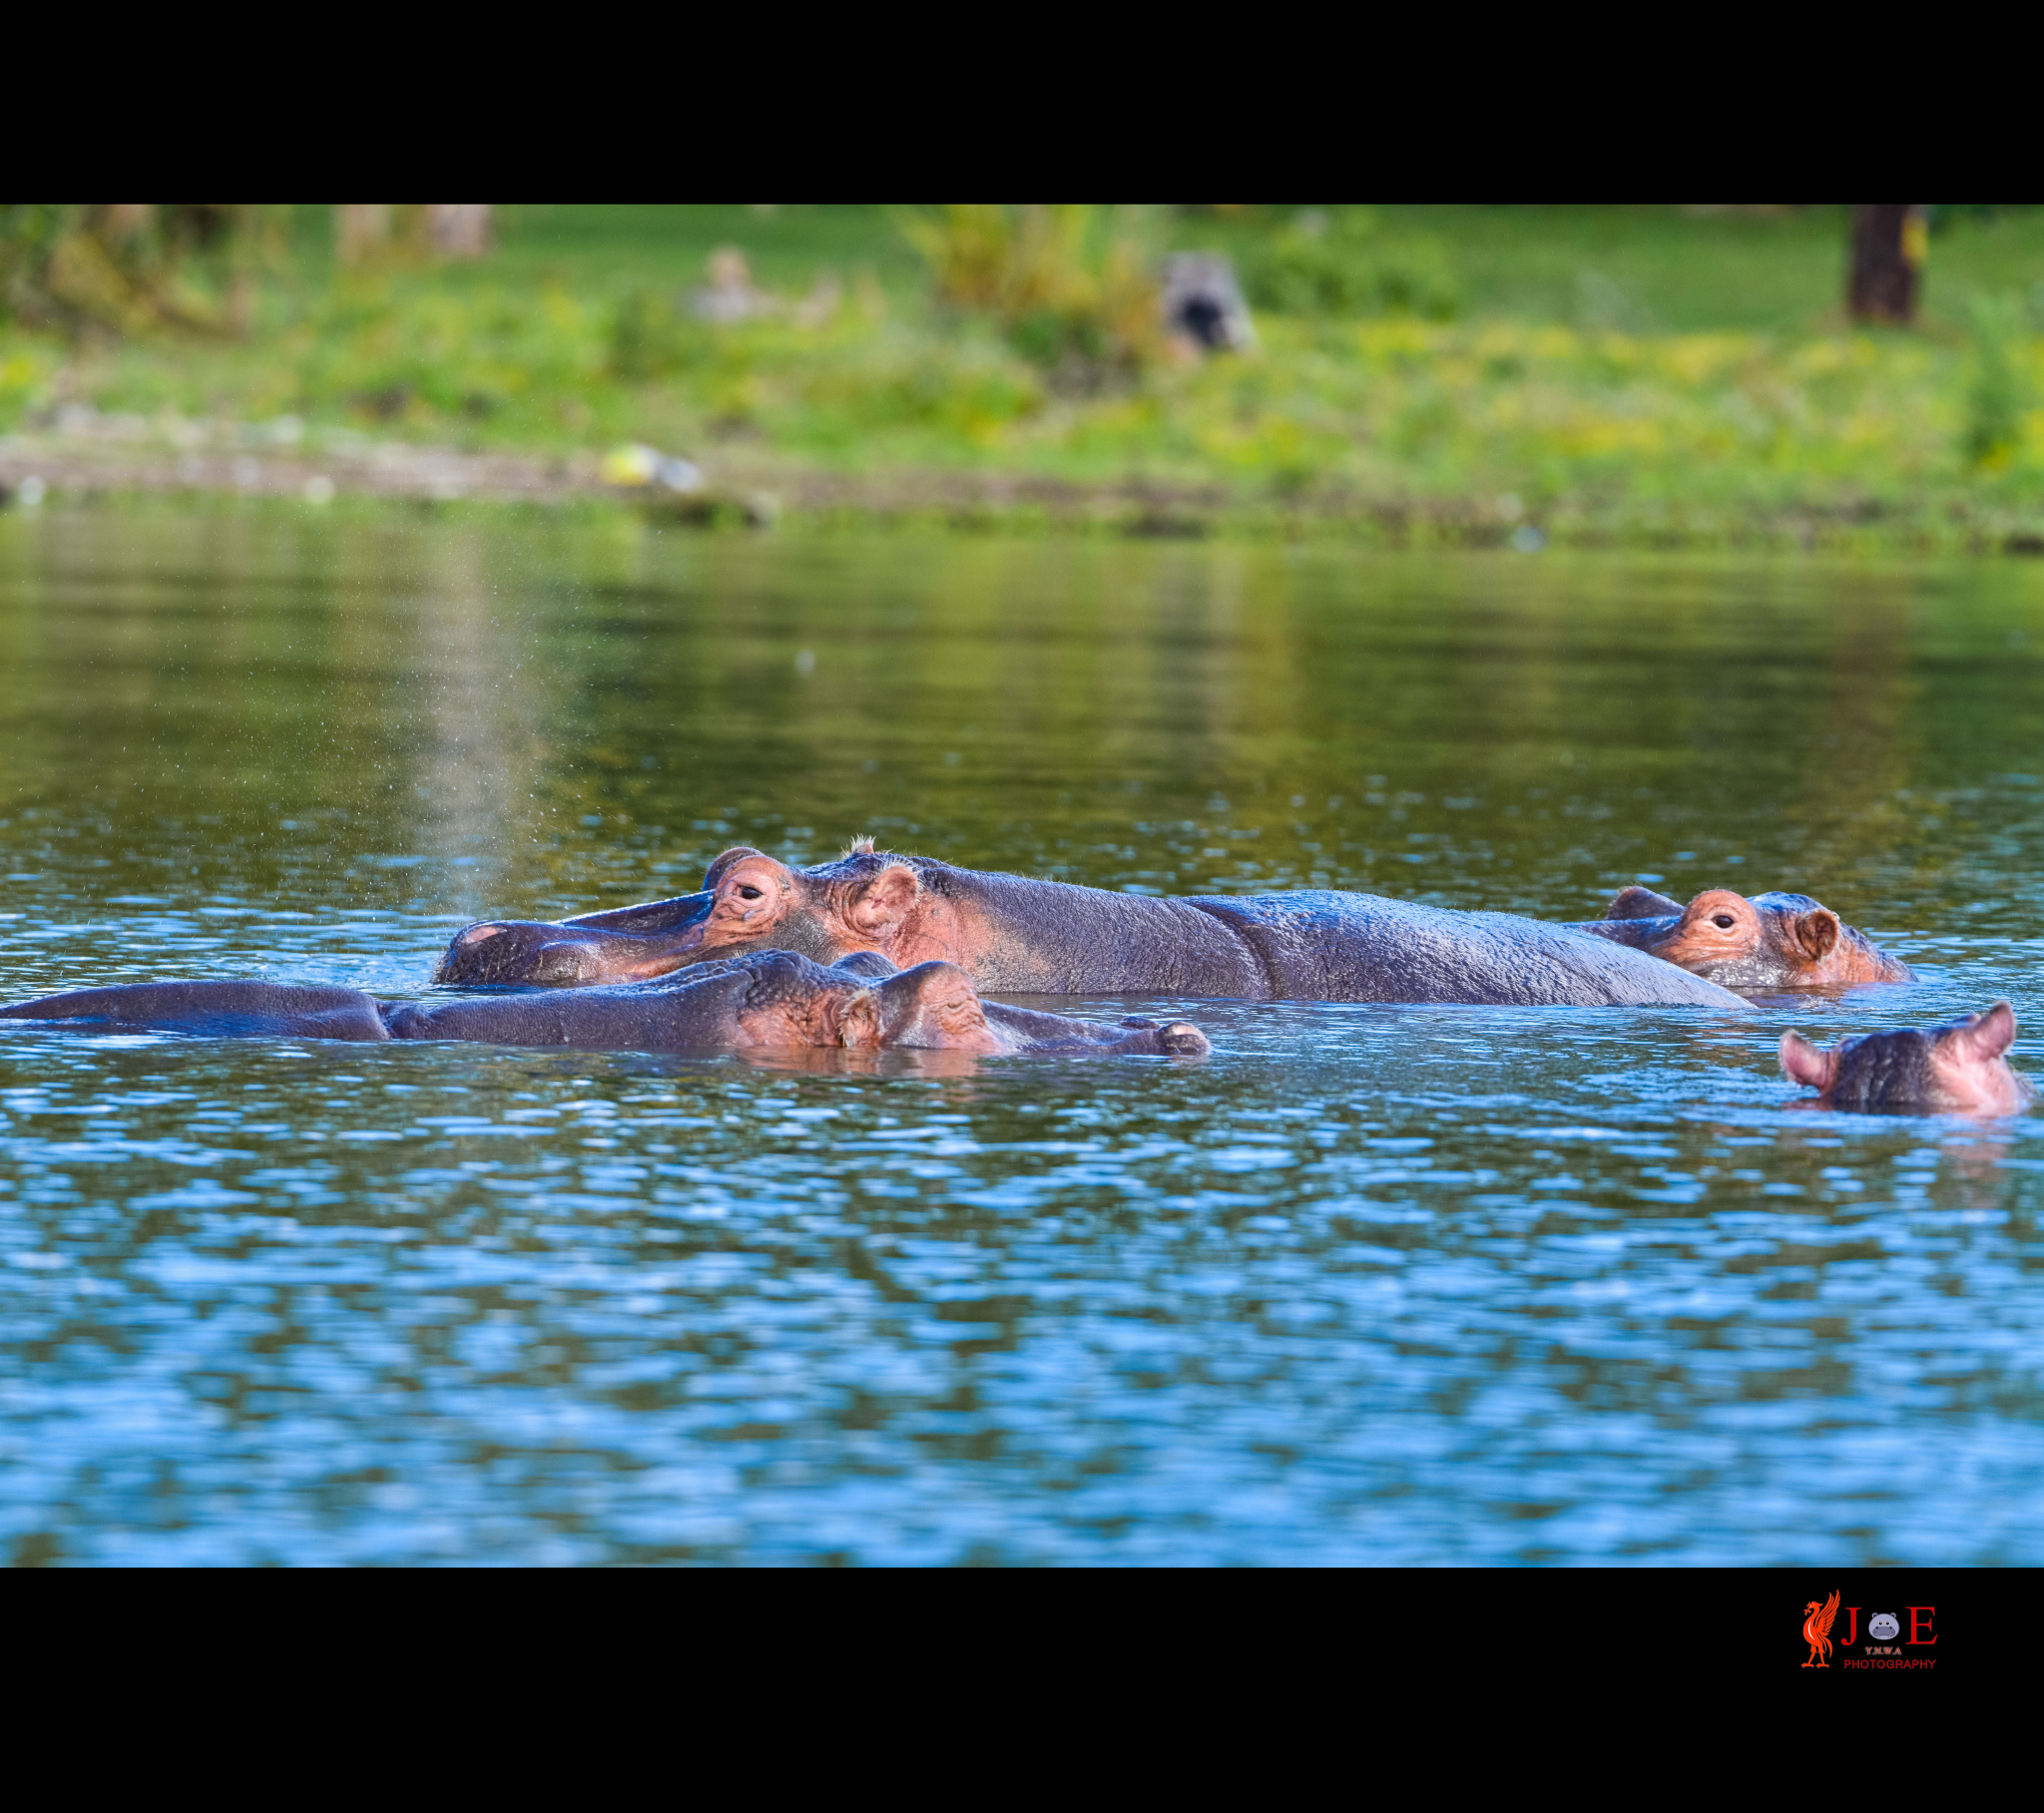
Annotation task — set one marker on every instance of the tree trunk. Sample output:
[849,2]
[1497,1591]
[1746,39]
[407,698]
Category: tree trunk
[1889,244]
[458,230]
[361,230]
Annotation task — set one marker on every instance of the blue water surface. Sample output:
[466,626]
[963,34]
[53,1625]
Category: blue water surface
[1381,1285]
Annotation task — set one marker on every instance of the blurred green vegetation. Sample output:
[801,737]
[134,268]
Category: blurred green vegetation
[1073,291]
[1629,373]
[131,268]
[1341,263]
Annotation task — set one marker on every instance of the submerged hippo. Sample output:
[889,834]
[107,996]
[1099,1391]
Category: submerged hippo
[1960,1068]
[1770,941]
[766,999]
[1017,936]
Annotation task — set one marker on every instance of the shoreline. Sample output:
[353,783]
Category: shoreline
[127,460]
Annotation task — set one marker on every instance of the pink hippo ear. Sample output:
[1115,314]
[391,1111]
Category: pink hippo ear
[1636,902]
[1816,932]
[1805,1063]
[884,901]
[1985,1036]
[858,1021]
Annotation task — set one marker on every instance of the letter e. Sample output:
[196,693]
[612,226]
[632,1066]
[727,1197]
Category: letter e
[1915,1623]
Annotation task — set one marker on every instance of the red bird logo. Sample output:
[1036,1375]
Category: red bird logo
[1817,1630]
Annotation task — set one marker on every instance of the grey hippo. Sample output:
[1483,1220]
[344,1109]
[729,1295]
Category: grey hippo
[1014,935]
[760,1000]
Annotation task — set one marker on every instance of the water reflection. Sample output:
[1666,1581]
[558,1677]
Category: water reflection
[1391,1284]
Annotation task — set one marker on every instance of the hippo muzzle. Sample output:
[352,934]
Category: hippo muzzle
[632,944]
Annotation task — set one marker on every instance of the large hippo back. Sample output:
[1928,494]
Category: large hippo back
[1318,945]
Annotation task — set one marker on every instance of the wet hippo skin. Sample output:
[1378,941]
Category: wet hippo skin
[765,1000]
[1960,1068]
[1013,935]
[1768,941]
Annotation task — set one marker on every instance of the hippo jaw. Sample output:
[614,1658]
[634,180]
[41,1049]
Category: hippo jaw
[750,906]
[499,952]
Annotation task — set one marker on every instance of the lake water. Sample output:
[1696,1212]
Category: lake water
[1371,1285]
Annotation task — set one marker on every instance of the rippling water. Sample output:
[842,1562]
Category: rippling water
[1371,1285]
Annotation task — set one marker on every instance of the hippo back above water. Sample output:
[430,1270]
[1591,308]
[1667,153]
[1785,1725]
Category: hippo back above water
[1013,935]
[1323,945]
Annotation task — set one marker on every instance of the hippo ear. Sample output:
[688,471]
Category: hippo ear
[883,902]
[1816,932]
[1985,1036]
[1642,903]
[858,1021]
[1806,1064]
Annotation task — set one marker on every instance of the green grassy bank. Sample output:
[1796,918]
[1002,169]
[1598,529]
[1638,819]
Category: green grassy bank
[1632,376]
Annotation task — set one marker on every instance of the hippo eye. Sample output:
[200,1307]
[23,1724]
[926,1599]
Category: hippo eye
[753,894]
[1722,919]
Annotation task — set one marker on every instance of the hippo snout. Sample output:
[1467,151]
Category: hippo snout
[473,954]
[565,964]
[1178,1038]
[493,953]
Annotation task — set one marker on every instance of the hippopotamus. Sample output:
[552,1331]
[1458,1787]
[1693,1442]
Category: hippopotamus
[761,999]
[1960,1068]
[1012,935]
[1770,941]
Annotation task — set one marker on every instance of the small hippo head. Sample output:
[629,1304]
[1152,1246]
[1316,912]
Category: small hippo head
[934,1008]
[776,998]
[1960,1068]
[1768,941]
[864,1003]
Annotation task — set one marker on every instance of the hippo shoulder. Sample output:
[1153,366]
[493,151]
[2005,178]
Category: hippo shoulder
[1319,944]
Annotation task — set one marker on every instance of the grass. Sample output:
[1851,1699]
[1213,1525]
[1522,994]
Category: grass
[1630,375]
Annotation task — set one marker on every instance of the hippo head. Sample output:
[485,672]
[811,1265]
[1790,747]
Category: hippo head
[864,901]
[1768,941]
[861,902]
[781,999]
[786,999]
[1960,1068]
